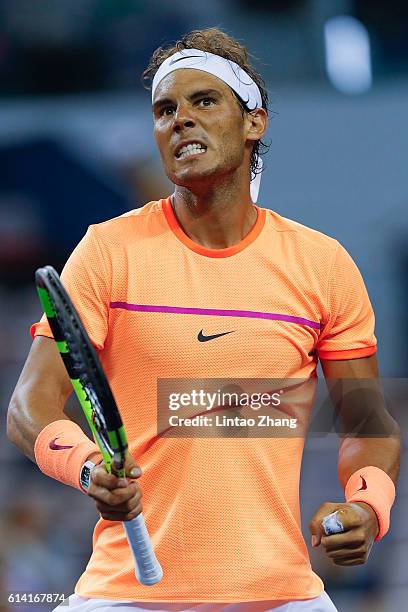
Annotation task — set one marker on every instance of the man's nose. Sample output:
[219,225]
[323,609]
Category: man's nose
[183,118]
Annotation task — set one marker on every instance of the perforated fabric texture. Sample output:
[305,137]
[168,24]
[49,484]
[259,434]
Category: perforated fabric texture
[223,513]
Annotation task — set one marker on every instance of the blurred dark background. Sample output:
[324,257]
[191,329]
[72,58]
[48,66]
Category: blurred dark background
[76,148]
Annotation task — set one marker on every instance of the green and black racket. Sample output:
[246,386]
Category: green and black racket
[95,396]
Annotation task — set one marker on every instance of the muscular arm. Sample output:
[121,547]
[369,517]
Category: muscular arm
[361,408]
[39,397]
[369,437]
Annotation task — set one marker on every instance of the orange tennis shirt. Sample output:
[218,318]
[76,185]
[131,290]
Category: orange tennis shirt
[223,513]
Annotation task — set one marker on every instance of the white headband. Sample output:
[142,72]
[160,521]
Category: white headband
[227,71]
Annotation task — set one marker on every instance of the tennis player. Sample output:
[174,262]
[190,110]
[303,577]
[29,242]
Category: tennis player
[206,283]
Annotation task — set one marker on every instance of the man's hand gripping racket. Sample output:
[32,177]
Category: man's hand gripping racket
[95,396]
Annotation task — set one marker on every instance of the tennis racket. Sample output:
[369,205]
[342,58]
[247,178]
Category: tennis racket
[95,396]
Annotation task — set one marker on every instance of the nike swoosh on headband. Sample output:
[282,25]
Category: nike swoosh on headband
[179,59]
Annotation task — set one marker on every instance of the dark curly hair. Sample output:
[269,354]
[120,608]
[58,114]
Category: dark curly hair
[214,41]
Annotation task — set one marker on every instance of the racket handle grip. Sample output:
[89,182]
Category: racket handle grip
[148,569]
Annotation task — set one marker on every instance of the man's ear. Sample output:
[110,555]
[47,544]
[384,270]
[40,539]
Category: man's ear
[257,123]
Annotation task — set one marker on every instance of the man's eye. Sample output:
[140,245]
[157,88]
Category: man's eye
[207,101]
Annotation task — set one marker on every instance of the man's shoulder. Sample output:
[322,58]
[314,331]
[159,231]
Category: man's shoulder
[130,224]
[302,234]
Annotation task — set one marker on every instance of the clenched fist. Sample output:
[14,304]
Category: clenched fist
[353,545]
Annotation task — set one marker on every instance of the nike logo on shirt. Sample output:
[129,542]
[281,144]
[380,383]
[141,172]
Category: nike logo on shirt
[202,338]
[54,446]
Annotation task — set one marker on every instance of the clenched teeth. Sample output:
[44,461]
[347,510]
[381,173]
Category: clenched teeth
[191,149]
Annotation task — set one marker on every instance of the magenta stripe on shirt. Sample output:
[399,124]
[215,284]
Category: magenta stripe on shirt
[215,312]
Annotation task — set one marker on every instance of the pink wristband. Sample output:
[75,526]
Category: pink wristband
[374,487]
[60,450]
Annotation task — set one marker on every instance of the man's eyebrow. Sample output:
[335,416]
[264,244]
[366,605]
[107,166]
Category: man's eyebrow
[197,94]
[205,92]
[162,102]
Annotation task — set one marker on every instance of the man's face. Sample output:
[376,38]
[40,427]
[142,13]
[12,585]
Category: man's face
[191,106]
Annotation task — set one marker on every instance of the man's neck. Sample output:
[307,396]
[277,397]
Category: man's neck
[215,219]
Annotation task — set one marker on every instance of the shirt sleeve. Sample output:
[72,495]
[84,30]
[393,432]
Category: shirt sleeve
[87,278]
[348,332]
